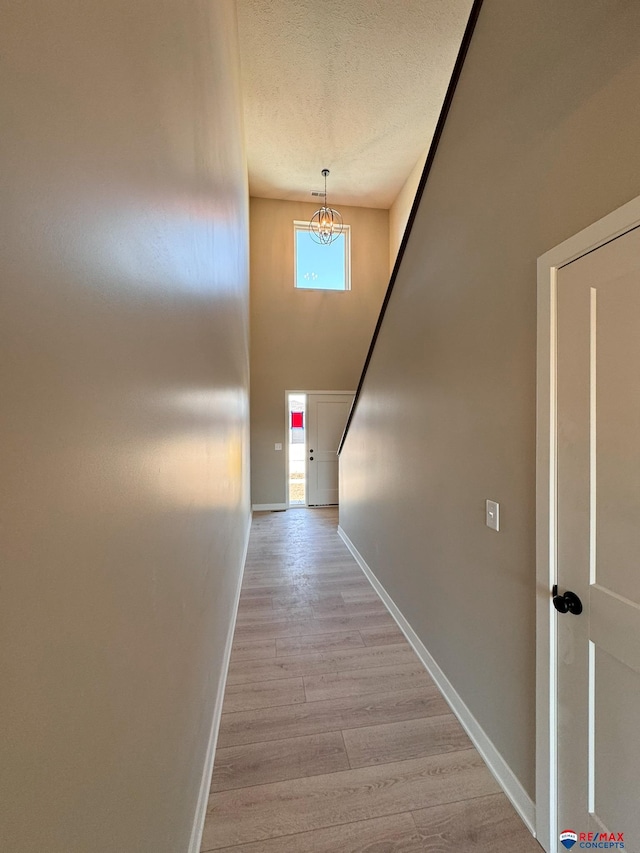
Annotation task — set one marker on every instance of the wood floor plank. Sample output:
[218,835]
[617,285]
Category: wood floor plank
[252,591]
[260,617]
[309,585]
[362,681]
[278,760]
[360,608]
[246,594]
[297,571]
[269,630]
[313,717]
[252,650]
[359,596]
[319,663]
[259,586]
[392,834]
[318,643]
[330,599]
[256,603]
[321,559]
[267,694]
[382,636]
[292,627]
[264,578]
[405,739]
[327,585]
[487,824]
[323,624]
[301,805]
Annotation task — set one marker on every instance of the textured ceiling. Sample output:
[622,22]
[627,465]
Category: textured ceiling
[355,86]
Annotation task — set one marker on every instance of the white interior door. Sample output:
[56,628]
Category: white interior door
[598,544]
[326,419]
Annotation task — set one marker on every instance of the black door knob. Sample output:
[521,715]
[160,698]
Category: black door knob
[567,603]
[311,458]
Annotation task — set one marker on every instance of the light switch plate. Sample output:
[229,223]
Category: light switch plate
[278,445]
[493,515]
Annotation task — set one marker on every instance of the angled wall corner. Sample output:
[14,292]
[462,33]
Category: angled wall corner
[401,208]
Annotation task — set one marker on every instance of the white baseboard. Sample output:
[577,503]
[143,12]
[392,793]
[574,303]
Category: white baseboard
[521,801]
[203,797]
[267,507]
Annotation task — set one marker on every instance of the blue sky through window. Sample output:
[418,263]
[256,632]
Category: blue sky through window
[319,267]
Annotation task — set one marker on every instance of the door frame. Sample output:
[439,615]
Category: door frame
[614,225]
[306,445]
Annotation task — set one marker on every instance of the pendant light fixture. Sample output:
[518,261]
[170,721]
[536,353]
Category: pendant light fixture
[325,225]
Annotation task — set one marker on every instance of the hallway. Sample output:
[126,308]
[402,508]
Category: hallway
[333,736]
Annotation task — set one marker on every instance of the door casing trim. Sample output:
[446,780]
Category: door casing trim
[614,225]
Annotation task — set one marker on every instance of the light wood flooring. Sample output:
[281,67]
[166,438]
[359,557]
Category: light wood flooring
[334,739]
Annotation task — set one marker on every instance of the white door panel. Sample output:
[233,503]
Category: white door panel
[598,500]
[326,420]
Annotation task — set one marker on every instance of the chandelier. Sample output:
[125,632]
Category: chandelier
[325,225]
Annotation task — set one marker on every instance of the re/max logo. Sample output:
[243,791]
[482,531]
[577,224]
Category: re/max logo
[590,840]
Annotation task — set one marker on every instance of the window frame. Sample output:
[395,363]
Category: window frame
[299,225]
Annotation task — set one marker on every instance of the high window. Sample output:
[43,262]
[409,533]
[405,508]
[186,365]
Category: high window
[319,267]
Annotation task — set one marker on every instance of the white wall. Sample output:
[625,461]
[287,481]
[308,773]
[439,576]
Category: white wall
[541,141]
[123,433]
